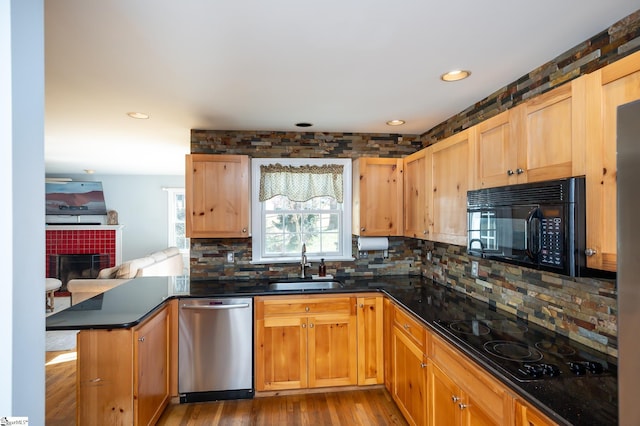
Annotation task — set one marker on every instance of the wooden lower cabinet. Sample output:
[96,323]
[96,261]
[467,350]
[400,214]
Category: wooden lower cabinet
[463,394]
[526,415]
[305,342]
[409,378]
[370,318]
[123,374]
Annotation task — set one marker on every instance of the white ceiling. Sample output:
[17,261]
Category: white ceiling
[343,65]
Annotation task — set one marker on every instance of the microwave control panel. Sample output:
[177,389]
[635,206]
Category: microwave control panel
[552,241]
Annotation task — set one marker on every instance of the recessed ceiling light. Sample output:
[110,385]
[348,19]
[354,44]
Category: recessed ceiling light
[455,75]
[303,124]
[89,171]
[138,115]
[395,122]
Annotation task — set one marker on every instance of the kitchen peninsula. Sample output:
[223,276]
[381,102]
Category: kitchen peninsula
[435,316]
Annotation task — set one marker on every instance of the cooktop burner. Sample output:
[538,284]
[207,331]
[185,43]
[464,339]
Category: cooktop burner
[512,351]
[526,351]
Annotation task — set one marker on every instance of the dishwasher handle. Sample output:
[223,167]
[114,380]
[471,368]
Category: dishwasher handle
[216,307]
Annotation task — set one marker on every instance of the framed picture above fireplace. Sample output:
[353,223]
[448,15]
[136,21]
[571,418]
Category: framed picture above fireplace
[74,198]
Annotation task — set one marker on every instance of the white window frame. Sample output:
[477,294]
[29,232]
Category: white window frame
[257,210]
[177,284]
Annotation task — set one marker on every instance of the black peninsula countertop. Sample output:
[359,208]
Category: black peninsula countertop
[588,399]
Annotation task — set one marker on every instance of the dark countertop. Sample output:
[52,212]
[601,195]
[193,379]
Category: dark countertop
[568,400]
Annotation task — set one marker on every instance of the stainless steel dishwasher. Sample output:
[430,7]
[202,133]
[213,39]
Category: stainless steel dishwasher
[215,349]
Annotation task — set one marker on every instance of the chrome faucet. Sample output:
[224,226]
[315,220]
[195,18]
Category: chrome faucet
[303,261]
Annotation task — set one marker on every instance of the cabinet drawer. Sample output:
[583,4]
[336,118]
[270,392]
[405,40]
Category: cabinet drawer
[409,327]
[483,389]
[279,306]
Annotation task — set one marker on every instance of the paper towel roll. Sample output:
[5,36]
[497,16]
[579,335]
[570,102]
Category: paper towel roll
[373,243]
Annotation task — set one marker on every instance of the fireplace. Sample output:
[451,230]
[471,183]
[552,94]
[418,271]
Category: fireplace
[66,267]
[75,251]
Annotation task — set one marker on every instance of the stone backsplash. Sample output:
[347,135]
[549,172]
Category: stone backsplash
[584,309]
[208,261]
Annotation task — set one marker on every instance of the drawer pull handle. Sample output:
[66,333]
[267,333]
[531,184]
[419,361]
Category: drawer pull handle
[96,380]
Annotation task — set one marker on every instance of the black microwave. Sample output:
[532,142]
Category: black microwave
[539,225]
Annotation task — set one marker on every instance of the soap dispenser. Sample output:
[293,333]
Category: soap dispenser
[322,269]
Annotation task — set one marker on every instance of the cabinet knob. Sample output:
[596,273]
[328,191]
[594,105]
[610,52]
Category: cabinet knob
[423,364]
[509,172]
[362,305]
[425,232]
[306,308]
[96,380]
[455,398]
[590,252]
[462,406]
[406,326]
[141,339]
[304,325]
[519,171]
[311,325]
[244,230]
[362,229]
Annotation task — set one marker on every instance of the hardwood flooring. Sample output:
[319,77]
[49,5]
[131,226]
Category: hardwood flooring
[360,407]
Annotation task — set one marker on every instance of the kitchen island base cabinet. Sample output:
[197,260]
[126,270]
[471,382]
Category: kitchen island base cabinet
[305,342]
[123,374]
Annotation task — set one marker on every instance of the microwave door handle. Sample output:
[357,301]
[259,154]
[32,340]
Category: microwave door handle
[534,236]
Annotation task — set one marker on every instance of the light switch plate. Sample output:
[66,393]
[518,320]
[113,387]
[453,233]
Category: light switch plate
[474,268]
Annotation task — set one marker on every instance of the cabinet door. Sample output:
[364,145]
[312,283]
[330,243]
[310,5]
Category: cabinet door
[377,196]
[217,196]
[332,346]
[410,379]
[445,396]
[610,87]
[151,368]
[104,377]
[388,351]
[281,353]
[549,136]
[450,175]
[370,340]
[416,209]
[529,416]
[496,152]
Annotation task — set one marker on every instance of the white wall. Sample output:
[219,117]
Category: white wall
[142,208]
[22,334]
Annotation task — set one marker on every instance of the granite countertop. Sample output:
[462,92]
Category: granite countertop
[567,400]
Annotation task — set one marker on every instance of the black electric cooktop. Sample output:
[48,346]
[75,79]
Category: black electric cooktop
[527,352]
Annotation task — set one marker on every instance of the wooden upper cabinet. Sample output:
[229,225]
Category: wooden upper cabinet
[377,196]
[217,196]
[450,174]
[496,152]
[416,195]
[607,88]
[550,135]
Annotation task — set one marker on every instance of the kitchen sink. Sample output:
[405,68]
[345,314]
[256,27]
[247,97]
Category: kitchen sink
[304,285]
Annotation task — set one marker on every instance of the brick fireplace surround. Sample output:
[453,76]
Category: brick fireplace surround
[83,239]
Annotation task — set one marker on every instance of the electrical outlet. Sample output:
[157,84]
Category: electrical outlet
[474,268]
[429,256]
[230,257]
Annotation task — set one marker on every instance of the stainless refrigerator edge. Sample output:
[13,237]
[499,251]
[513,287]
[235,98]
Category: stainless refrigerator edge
[628,231]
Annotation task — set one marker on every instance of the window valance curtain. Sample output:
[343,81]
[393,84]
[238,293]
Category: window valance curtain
[301,183]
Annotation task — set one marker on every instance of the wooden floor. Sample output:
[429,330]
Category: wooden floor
[361,407]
